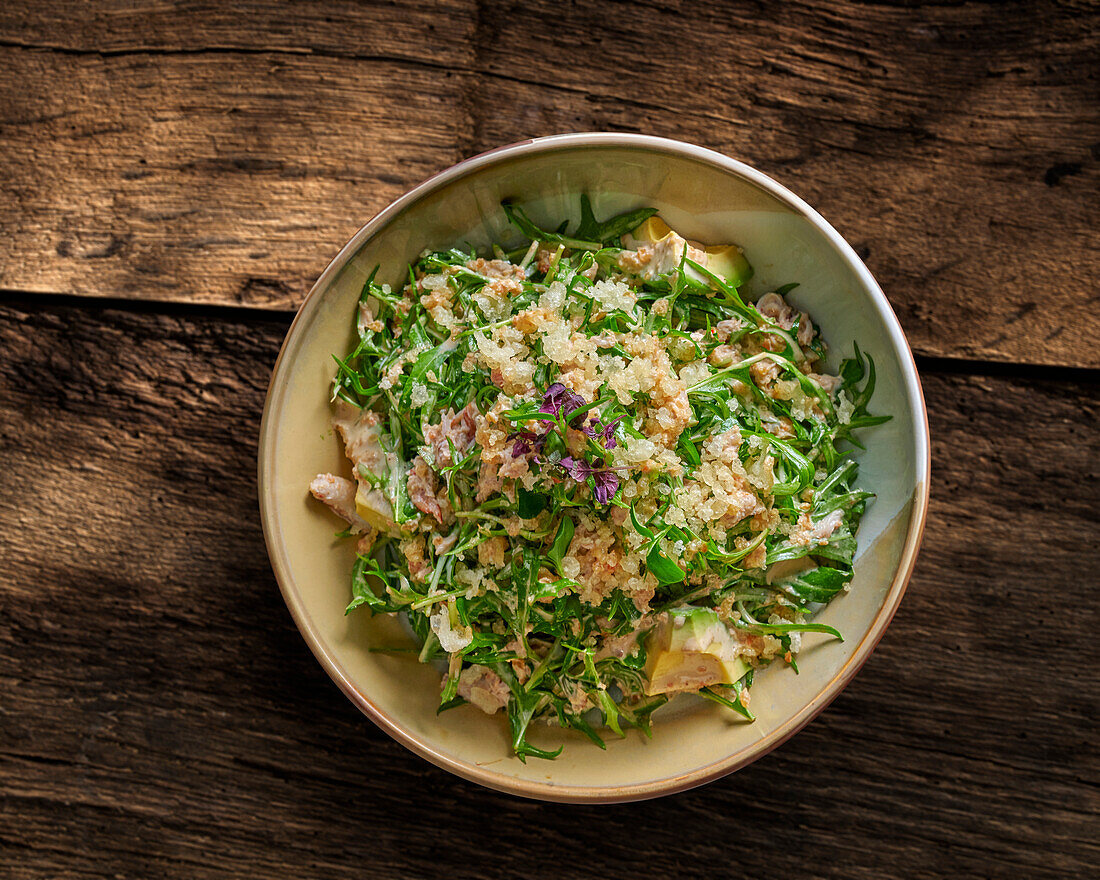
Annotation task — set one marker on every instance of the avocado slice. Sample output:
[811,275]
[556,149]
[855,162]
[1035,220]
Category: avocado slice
[727,261]
[365,447]
[375,508]
[651,231]
[691,649]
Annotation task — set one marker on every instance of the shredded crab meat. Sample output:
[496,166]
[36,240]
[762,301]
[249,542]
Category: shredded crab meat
[483,688]
[338,494]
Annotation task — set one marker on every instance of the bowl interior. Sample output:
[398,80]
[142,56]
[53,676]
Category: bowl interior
[703,200]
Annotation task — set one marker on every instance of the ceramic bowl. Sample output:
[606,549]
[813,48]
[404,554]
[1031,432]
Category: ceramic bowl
[705,196]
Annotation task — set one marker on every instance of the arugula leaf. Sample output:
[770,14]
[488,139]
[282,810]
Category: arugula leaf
[642,530]
[639,715]
[664,569]
[577,722]
[817,585]
[366,567]
[427,362]
[733,702]
[518,218]
[521,710]
[841,546]
[688,450]
[530,504]
[561,541]
[608,708]
[609,230]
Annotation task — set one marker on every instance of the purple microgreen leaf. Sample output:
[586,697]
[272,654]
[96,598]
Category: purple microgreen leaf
[607,433]
[606,484]
[527,441]
[560,401]
[578,469]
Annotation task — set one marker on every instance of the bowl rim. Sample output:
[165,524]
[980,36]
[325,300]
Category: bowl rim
[575,793]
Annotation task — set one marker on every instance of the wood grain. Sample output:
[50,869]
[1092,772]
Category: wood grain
[199,154]
[160,715]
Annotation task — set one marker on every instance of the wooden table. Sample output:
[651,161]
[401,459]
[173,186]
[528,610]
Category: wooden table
[173,179]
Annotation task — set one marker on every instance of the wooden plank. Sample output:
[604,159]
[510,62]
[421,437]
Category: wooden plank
[202,155]
[206,178]
[439,31]
[162,717]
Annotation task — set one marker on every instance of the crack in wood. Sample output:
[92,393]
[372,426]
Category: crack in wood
[42,300]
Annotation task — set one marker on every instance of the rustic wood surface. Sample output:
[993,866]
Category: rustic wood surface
[175,176]
[209,154]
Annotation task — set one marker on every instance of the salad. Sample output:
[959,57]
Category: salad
[591,475]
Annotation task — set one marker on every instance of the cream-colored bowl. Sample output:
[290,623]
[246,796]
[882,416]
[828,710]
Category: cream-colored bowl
[705,196]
